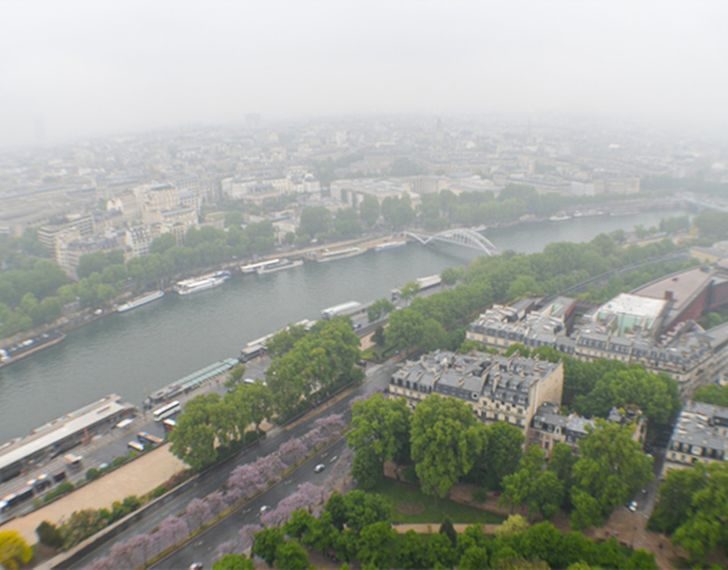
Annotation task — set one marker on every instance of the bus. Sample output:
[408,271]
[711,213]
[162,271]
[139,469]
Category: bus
[166,411]
[169,424]
[147,438]
[136,446]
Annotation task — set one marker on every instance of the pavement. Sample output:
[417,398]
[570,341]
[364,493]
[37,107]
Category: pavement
[377,378]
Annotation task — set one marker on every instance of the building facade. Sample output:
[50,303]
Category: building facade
[498,388]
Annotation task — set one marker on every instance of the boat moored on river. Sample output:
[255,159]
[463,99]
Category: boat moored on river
[280,265]
[139,301]
[334,254]
[202,283]
[29,346]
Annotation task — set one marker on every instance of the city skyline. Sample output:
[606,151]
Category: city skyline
[85,69]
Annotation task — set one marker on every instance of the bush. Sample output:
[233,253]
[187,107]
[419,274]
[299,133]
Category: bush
[62,489]
[119,461]
[49,535]
[92,474]
[158,492]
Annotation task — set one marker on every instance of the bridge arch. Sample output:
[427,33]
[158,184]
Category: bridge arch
[463,237]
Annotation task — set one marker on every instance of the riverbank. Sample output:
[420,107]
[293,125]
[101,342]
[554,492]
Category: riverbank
[138,352]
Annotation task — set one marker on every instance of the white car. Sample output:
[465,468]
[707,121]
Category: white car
[264,508]
[320,467]
[632,506]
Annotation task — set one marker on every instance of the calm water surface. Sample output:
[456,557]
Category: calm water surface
[135,353]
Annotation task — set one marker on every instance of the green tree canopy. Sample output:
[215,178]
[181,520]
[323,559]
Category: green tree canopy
[446,439]
[380,431]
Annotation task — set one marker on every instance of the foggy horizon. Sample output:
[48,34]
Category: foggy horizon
[81,69]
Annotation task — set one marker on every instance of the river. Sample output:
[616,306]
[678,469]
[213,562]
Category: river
[135,353]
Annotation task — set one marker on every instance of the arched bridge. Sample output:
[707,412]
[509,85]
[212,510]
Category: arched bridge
[464,237]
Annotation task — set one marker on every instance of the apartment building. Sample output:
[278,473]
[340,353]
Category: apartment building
[700,435]
[498,388]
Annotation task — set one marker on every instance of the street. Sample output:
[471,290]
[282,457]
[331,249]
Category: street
[377,377]
[204,547]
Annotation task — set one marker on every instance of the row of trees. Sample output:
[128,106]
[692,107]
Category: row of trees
[244,482]
[316,364]
[438,321]
[446,443]
[712,394]
[355,529]
[692,507]
[442,439]
[305,366]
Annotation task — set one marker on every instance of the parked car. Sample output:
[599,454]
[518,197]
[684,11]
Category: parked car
[632,506]
[320,467]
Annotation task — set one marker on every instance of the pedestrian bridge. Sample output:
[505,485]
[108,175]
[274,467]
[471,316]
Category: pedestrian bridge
[463,237]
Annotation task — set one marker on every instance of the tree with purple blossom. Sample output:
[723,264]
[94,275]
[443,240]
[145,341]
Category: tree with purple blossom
[121,554]
[139,545]
[197,513]
[215,502]
[247,533]
[171,531]
[293,451]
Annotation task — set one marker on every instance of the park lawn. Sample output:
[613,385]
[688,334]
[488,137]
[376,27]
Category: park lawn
[409,505]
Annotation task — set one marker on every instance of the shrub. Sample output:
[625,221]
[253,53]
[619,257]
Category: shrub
[62,489]
[49,535]
[92,474]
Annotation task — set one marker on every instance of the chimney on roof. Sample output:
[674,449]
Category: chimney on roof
[669,296]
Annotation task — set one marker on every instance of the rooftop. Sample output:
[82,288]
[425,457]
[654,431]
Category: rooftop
[59,429]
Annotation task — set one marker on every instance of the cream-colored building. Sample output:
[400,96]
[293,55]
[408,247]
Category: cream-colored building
[498,388]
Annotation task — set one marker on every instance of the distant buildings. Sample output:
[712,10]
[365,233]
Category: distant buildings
[653,327]
[700,435]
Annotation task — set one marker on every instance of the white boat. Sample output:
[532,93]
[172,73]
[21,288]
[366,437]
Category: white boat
[332,255]
[254,267]
[280,266]
[203,283]
[559,218]
[139,301]
[390,245]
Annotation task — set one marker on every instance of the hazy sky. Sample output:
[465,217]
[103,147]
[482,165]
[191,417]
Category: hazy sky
[71,68]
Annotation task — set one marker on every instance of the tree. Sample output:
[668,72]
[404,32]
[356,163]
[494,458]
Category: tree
[265,544]
[409,330]
[712,394]
[706,525]
[49,535]
[378,309]
[533,486]
[655,394]
[448,530]
[290,555]
[14,551]
[514,524]
[380,431]
[610,469]
[369,210]
[363,509]
[445,440]
[193,439]
[501,455]
[376,544]
[675,498]
[474,558]
[409,290]
[562,463]
[314,221]
[233,562]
